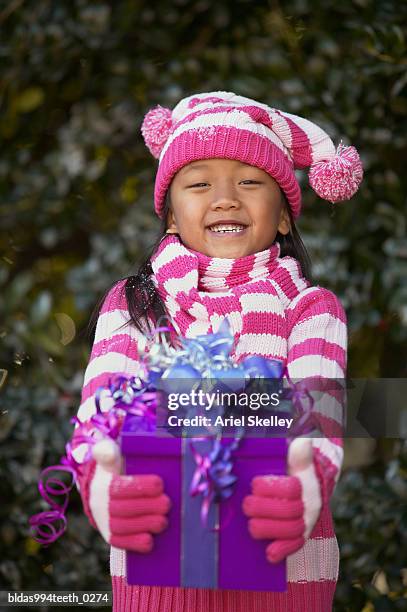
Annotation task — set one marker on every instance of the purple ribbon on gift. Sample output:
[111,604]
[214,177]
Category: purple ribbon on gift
[212,477]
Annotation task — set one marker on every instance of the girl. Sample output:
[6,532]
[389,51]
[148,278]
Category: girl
[228,197]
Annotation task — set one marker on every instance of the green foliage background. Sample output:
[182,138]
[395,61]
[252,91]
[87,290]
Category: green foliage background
[76,186]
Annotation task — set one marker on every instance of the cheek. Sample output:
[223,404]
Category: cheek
[188,214]
[266,215]
[187,222]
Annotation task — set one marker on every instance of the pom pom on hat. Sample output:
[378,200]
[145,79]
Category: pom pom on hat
[339,178]
[156,128]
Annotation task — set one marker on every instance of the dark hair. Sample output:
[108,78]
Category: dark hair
[142,298]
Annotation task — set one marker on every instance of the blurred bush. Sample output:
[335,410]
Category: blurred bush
[76,186]
[371,526]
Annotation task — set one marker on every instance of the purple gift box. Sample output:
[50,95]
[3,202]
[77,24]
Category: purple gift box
[191,554]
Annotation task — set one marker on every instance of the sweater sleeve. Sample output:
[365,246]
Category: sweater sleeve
[115,351]
[317,352]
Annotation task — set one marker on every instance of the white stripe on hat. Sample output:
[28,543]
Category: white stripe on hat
[182,108]
[235,118]
[322,147]
[281,128]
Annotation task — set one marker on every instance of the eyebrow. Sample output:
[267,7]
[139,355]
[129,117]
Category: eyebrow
[201,167]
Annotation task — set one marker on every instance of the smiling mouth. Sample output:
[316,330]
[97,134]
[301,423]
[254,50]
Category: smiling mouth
[227,228]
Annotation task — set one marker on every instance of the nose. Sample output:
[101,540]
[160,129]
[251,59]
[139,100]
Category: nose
[225,198]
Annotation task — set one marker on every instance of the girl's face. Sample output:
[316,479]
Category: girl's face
[225,208]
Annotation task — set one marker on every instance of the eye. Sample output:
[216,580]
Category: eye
[246,181]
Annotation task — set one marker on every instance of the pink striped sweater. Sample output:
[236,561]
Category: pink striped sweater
[273,311]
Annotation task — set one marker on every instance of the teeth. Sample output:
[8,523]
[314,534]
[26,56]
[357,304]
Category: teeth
[227,228]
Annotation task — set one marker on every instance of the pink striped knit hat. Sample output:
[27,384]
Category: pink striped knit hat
[221,124]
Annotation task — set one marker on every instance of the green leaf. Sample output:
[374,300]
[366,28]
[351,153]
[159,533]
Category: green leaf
[30,99]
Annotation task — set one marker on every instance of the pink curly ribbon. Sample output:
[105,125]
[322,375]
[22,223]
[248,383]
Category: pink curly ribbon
[130,395]
[56,515]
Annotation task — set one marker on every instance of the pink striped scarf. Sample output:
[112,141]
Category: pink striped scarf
[252,292]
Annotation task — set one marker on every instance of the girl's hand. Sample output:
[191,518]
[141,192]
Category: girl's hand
[127,509]
[285,508]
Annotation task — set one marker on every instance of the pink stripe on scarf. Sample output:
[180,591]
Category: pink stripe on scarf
[235,273]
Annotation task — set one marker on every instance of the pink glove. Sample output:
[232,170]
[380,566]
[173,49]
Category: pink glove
[285,508]
[125,509]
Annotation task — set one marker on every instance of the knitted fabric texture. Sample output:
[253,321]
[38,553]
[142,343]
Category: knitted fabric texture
[273,311]
[221,124]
